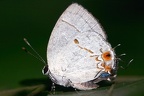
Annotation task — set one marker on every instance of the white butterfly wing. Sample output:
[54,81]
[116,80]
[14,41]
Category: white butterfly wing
[65,58]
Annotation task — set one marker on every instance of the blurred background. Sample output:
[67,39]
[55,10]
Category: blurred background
[123,21]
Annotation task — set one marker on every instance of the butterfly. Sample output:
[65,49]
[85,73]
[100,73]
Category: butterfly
[78,53]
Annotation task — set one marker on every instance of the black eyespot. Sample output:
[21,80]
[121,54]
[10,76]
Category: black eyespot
[108,55]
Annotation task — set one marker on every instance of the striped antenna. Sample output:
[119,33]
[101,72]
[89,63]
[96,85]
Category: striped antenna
[38,56]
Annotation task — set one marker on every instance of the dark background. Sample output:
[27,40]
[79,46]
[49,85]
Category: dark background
[123,21]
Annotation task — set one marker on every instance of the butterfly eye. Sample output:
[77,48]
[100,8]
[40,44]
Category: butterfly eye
[45,70]
[106,56]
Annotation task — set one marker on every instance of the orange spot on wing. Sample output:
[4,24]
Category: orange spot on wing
[106,56]
[106,67]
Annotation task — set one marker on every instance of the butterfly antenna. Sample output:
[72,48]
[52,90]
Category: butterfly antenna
[122,55]
[127,64]
[116,46]
[39,57]
[118,57]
